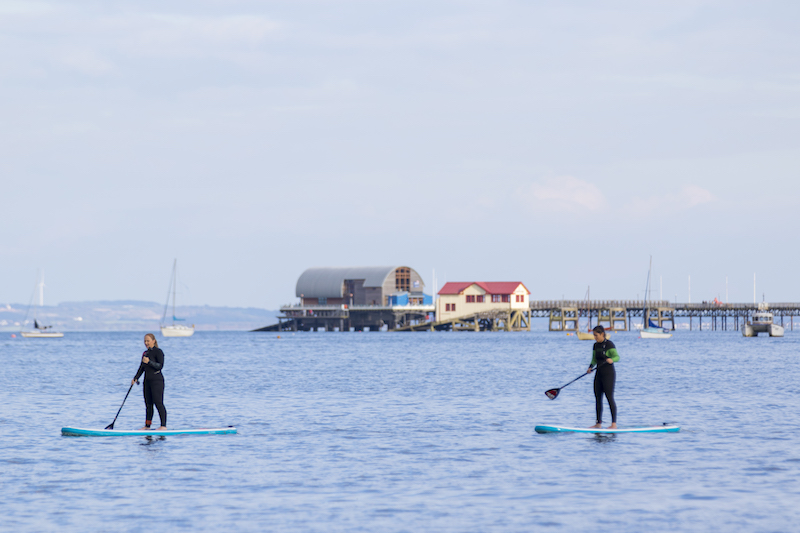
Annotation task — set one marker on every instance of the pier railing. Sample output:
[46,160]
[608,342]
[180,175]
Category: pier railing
[596,304]
[661,311]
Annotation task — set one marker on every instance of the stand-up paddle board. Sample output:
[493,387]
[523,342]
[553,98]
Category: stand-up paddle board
[665,428]
[81,432]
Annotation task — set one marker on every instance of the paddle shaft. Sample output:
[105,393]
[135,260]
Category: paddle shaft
[558,390]
[111,425]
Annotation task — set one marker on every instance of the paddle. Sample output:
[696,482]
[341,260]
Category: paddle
[111,425]
[553,393]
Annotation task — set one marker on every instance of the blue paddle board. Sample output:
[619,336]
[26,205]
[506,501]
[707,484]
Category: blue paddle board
[81,432]
[666,428]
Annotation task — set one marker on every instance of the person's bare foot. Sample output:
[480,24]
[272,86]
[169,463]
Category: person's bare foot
[612,426]
[596,426]
[161,428]
[145,428]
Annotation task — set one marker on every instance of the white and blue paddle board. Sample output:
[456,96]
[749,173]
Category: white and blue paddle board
[665,428]
[82,432]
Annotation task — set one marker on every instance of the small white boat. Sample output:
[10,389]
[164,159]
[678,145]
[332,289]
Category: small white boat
[654,333]
[649,329]
[39,331]
[177,330]
[174,330]
[762,323]
[41,334]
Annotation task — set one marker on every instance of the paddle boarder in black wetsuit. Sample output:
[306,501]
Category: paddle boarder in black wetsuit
[604,355]
[152,363]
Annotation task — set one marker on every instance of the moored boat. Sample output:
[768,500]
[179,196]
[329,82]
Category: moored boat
[174,330]
[588,335]
[654,333]
[650,330]
[39,331]
[762,322]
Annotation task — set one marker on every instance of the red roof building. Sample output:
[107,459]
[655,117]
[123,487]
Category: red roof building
[466,298]
[489,287]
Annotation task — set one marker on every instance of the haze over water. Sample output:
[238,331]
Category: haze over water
[401,432]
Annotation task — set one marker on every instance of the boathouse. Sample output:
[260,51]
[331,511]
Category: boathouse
[356,298]
[484,305]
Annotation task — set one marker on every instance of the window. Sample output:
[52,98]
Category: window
[322,301]
[402,279]
[479,299]
[446,307]
[507,298]
[470,298]
[495,298]
[453,307]
[520,298]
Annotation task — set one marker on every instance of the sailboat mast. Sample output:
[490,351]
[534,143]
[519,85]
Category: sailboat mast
[41,290]
[174,286]
[646,313]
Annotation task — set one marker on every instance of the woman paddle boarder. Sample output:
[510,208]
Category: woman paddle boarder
[152,363]
[604,355]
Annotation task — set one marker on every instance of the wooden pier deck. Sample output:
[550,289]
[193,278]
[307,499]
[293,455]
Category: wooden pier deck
[718,316]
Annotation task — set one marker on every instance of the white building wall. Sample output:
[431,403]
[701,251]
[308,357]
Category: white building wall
[465,309]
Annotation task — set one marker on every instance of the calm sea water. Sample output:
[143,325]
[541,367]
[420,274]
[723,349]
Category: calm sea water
[401,432]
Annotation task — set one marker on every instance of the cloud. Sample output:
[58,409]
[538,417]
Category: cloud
[565,193]
[180,33]
[692,195]
[687,197]
[85,61]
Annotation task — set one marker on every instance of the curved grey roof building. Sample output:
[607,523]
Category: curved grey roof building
[357,285]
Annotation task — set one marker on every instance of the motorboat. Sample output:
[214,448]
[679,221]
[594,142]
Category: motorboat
[762,322]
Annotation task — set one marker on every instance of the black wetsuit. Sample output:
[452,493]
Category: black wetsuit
[153,385]
[604,378]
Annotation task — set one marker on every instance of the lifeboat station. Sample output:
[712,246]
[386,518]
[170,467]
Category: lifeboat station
[356,298]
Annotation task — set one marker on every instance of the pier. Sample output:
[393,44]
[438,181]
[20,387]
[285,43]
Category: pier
[618,314]
[346,318]
[563,315]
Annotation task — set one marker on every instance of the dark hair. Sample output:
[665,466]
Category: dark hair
[598,329]
[155,342]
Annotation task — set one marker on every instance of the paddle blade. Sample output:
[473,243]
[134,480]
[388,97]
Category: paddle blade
[552,393]
[111,425]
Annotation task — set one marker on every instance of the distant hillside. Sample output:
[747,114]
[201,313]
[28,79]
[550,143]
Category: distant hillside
[131,315]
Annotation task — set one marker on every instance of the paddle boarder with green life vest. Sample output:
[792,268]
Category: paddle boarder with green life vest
[604,355]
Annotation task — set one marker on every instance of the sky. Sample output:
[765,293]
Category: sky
[561,144]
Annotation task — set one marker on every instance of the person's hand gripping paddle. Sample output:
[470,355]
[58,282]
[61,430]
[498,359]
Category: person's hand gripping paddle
[111,425]
[553,393]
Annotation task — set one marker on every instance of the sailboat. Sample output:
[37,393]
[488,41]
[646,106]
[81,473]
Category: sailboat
[588,335]
[650,330]
[174,330]
[39,331]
